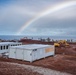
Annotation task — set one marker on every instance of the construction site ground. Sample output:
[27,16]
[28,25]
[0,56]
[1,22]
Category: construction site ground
[64,60]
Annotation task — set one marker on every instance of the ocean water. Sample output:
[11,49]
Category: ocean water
[13,37]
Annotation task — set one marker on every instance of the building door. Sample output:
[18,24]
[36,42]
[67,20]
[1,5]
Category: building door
[35,54]
[27,55]
[19,54]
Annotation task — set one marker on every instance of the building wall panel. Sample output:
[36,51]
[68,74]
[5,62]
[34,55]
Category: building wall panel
[19,54]
[12,53]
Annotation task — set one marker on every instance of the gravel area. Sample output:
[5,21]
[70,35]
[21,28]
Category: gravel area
[40,70]
[7,68]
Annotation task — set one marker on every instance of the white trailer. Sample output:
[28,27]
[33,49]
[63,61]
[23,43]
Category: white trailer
[31,52]
[4,46]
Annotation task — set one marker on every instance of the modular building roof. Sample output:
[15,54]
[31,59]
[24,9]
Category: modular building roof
[31,46]
[7,43]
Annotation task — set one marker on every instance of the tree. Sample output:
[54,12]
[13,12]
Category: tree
[48,39]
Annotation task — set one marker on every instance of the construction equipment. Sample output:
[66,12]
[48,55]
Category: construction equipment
[56,44]
[61,43]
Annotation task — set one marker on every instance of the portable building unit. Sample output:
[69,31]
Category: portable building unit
[4,46]
[31,52]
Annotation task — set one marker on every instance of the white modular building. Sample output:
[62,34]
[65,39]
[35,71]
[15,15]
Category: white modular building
[4,46]
[31,52]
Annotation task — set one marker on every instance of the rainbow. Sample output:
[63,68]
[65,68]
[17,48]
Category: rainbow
[49,10]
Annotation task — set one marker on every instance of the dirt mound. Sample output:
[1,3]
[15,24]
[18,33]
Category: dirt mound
[66,50]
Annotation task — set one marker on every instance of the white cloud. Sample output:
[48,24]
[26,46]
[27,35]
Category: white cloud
[16,14]
[67,13]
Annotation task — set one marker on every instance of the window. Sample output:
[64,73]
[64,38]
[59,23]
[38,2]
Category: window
[35,50]
[1,47]
[6,47]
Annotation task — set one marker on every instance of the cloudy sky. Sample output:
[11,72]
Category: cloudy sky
[14,14]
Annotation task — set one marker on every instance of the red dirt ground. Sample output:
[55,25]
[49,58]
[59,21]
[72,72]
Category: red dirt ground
[11,69]
[64,60]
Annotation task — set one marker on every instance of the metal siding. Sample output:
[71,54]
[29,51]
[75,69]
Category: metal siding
[50,52]
[19,54]
[35,55]
[38,54]
[12,53]
[27,55]
[41,53]
[30,55]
